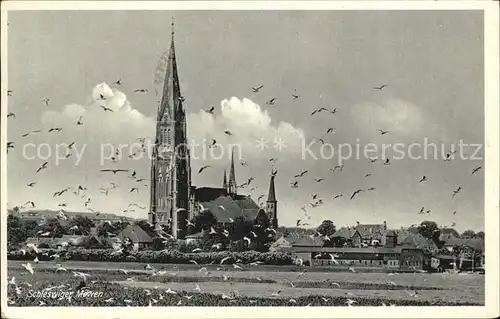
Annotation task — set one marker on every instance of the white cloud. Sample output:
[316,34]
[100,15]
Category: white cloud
[101,130]
[396,115]
[248,123]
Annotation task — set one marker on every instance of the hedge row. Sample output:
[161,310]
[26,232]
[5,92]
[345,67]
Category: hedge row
[163,256]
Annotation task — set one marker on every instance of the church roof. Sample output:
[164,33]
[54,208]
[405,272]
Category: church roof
[246,202]
[225,207]
[206,194]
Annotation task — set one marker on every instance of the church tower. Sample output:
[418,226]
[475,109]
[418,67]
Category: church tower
[272,205]
[231,187]
[170,164]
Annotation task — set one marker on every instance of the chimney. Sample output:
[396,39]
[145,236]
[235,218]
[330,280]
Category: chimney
[385,225]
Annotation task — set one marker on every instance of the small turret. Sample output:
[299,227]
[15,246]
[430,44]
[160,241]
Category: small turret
[272,205]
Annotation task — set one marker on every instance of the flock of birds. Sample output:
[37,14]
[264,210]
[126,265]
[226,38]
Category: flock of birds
[294,183]
[315,200]
[134,186]
[222,269]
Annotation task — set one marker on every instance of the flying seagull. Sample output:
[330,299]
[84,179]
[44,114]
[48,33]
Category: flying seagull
[271,101]
[10,145]
[44,166]
[203,168]
[356,192]
[382,132]
[301,174]
[380,87]
[140,90]
[114,170]
[423,179]
[318,110]
[211,110]
[106,108]
[455,192]
[474,171]
[257,89]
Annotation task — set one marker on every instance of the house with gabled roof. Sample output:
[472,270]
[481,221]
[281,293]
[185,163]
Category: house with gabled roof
[361,235]
[139,238]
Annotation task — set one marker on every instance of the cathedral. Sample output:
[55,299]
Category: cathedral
[173,200]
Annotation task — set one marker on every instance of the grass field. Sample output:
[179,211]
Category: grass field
[252,285]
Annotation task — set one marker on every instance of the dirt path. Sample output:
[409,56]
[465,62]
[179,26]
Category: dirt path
[266,290]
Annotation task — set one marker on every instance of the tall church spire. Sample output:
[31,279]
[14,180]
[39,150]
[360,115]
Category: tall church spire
[170,166]
[232,189]
[171,99]
[224,181]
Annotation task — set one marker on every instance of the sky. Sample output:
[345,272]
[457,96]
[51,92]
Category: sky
[431,62]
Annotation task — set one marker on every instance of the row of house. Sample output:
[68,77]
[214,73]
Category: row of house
[376,246]
[139,238]
[40,215]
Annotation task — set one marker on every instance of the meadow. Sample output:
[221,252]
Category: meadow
[130,284]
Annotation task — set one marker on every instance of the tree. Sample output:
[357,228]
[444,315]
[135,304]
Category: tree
[203,221]
[430,230]
[105,229]
[480,234]
[53,226]
[240,228]
[15,232]
[83,223]
[327,228]
[127,246]
[468,234]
